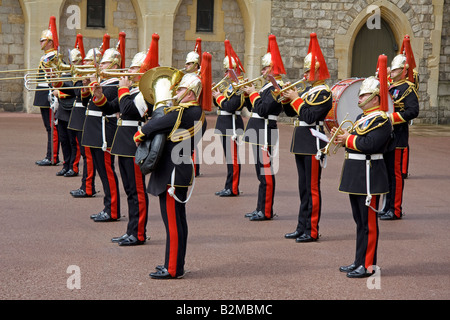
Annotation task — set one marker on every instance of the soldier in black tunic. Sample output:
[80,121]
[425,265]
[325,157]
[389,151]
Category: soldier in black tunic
[98,134]
[229,124]
[67,137]
[261,131]
[49,61]
[175,169]
[310,108]
[406,108]
[364,174]
[76,123]
[134,111]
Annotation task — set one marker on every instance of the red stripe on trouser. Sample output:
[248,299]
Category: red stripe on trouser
[405,160]
[90,171]
[173,234]
[315,196]
[77,157]
[398,183]
[372,233]
[112,184]
[269,184]
[194,162]
[54,138]
[236,173]
[142,203]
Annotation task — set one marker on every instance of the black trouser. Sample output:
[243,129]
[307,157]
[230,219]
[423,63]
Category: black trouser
[88,176]
[69,147]
[309,174]
[52,140]
[230,149]
[266,178]
[173,214]
[366,229]
[104,164]
[134,185]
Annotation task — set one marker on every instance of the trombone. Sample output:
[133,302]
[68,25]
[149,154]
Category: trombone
[277,93]
[326,150]
[240,85]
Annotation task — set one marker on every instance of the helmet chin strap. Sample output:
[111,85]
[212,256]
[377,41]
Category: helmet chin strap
[369,98]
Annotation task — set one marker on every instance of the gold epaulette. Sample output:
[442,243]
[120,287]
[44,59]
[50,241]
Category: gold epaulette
[310,99]
[178,134]
[372,117]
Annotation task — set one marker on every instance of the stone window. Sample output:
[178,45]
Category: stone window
[95,17]
[205,15]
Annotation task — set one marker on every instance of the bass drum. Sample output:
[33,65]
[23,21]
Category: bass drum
[345,101]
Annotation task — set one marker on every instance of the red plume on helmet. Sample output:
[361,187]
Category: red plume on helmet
[79,45]
[52,28]
[410,61]
[152,58]
[198,49]
[206,78]
[383,78]
[231,54]
[121,48]
[105,44]
[317,56]
[277,63]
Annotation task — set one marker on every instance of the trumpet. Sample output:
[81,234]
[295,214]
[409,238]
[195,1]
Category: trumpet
[238,86]
[277,93]
[326,150]
[222,85]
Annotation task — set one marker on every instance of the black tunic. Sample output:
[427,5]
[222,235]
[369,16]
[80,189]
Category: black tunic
[370,137]
[311,110]
[176,153]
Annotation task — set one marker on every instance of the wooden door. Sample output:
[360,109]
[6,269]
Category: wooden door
[369,44]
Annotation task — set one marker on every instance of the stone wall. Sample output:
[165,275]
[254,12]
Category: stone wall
[234,31]
[444,68]
[11,54]
[123,19]
[293,21]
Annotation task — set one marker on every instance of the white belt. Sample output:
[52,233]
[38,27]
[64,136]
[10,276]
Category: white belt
[269,117]
[128,123]
[226,113]
[94,113]
[98,114]
[43,85]
[79,105]
[298,123]
[355,156]
[368,158]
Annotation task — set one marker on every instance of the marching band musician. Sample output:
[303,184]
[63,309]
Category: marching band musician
[133,111]
[99,130]
[364,174]
[406,108]
[311,109]
[76,123]
[49,44]
[66,99]
[261,130]
[229,123]
[175,172]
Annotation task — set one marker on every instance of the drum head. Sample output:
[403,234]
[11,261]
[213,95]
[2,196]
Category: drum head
[347,100]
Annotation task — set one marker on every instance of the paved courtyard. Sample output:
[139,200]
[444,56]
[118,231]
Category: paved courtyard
[47,237]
